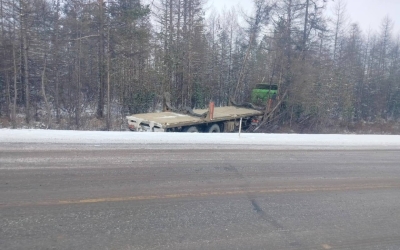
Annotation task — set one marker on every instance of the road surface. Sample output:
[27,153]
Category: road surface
[59,196]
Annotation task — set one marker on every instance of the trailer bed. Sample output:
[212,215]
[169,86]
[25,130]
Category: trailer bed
[164,120]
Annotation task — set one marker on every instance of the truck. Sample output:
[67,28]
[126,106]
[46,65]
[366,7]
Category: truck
[212,120]
[264,92]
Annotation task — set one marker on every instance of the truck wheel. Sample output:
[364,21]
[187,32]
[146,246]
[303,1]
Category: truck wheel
[192,129]
[214,128]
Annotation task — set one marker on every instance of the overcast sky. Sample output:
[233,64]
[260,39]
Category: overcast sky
[367,13]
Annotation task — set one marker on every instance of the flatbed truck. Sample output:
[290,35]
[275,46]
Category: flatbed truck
[211,120]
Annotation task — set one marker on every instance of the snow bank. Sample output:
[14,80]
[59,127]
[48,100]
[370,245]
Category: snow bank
[134,138]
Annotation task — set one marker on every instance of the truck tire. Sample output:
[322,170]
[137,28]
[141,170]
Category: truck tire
[191,129]
[214,128]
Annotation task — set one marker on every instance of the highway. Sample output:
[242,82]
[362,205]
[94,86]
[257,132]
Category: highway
[77,196]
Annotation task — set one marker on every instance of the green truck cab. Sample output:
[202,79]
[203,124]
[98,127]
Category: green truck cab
[263,92]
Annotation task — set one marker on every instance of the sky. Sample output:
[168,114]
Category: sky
[367,13]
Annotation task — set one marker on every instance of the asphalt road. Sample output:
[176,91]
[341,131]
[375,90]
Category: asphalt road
[124,197]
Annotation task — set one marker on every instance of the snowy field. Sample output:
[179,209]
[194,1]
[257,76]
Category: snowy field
[148,139]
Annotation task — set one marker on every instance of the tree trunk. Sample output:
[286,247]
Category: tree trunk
[108,81]
[305,30]
[44,94]
[25,48]
[14,116]
[78,90]
[56,63]
[8,98]
[100,104]
[7,93]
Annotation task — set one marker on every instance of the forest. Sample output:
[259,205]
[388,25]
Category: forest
[86,64]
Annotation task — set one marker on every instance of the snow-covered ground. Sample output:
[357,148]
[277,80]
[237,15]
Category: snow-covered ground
[133,138]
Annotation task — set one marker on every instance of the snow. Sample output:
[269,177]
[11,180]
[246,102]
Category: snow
[137,139]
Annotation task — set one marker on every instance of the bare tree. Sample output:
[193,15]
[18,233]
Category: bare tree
[43,89]
[24,29]
[56,54]
[340,21]
[260,18]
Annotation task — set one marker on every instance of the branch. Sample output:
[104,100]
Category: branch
[84,37]
[270,113]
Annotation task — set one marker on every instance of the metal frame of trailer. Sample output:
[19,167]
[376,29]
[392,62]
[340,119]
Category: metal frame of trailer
[227,119]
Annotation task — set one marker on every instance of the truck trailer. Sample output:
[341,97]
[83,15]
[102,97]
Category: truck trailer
[211,120]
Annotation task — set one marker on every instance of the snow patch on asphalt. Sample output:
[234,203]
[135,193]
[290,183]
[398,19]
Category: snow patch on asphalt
[134,138]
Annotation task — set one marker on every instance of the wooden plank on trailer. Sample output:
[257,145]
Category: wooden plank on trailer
[172,119]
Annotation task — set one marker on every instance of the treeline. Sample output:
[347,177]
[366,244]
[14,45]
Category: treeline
[80,64]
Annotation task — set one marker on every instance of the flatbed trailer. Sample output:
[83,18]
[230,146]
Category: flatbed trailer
[212,120]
